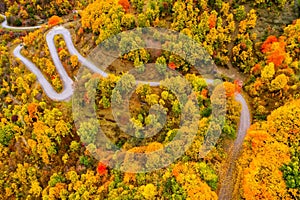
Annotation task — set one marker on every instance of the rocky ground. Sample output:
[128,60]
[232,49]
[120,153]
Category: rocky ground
[271,22]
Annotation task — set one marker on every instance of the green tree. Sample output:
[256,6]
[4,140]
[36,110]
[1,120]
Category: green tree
[6,134]
[138,5]
[88,131]
[240,13]
[56,178]
[161,65]
[291,171]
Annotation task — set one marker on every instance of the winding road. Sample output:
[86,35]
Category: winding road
[67,91]
[227,184]
[4,24]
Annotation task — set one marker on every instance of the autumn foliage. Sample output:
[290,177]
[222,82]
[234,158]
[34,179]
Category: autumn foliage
[266,46]
[125,4]
[275,50]
[267,148]
[101,168]
[190,179]
[263,158]
[172,66]
[212,20]
[43,155]
[54,20]
[230,89]
[32,109]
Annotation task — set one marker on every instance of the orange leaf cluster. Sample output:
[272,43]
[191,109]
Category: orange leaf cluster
[32,109]
[125,4]
[277,54]
[266,149]
[275,50]
[257,139]
[153,146]
[177,170]
[212,21]
[229,88]
[204,93]
[266,46]
[129,177]
[256,68]
[54,20]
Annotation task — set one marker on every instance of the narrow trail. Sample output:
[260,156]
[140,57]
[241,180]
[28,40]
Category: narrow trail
[227,184]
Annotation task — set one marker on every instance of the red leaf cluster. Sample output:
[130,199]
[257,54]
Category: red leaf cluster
[101,169]
[172,66]
[125,4]
[266,46]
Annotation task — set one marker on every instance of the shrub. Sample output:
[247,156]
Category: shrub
[56,178]
[240,13]
[6,134]
[161,65]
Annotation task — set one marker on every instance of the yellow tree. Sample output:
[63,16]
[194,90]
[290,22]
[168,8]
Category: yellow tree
[266,149]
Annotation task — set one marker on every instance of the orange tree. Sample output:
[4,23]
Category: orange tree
[265,167]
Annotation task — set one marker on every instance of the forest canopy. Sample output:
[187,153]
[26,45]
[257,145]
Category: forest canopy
[251,47]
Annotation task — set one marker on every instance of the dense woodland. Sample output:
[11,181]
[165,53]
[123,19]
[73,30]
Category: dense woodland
[44,155]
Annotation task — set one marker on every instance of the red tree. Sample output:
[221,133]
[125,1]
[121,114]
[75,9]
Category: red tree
[101,169]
